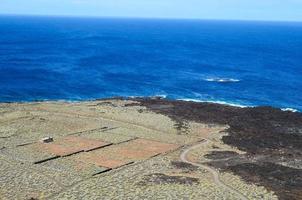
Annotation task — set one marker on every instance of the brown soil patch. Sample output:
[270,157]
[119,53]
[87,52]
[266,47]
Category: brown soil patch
[102,161]
[59,150]
[122,154]
[70,145]
[84,143]
[151,148]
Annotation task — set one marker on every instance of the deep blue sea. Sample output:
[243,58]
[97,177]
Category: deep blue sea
[236,62]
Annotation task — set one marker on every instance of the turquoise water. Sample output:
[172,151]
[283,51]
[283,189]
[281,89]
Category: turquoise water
[245,63]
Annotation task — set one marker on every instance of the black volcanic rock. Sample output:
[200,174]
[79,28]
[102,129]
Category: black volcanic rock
[266,132]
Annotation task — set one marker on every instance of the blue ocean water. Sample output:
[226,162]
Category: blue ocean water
[56,58]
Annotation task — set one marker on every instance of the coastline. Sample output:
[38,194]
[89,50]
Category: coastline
[218,102]
[261,145]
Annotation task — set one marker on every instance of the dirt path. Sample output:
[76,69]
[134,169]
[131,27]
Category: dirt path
[214,173]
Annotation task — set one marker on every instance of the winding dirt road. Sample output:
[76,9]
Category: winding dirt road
[214,173]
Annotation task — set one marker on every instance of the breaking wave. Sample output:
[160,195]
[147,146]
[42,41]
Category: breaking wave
[217,102]
[222,80]
[289,109]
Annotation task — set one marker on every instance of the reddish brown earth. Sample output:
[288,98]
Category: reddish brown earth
[71,145]
[121,154]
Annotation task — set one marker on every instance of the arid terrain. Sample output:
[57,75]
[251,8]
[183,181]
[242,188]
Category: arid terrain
[148,149]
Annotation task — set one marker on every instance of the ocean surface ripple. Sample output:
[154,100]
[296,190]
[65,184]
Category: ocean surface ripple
[231,62]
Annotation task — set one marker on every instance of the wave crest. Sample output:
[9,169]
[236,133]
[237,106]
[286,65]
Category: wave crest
[222,80]
[217,102]
[289,110]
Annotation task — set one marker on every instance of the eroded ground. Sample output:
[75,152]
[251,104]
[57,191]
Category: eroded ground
[124,149]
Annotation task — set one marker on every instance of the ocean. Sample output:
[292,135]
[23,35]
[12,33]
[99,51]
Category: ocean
[242,63]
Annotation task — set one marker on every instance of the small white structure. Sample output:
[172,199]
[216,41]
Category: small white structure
[46,140]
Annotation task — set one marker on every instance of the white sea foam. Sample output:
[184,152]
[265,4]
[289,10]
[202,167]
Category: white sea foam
[222,80]
[162,96]
[218,102]
[289,109]
[233,104]
[133,97]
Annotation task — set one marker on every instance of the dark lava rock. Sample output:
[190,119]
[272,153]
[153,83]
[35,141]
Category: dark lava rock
[158,178]
[216,155]
[285,181]
[260,132]
[183,166]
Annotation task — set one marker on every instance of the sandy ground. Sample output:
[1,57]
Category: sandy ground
[111,149]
